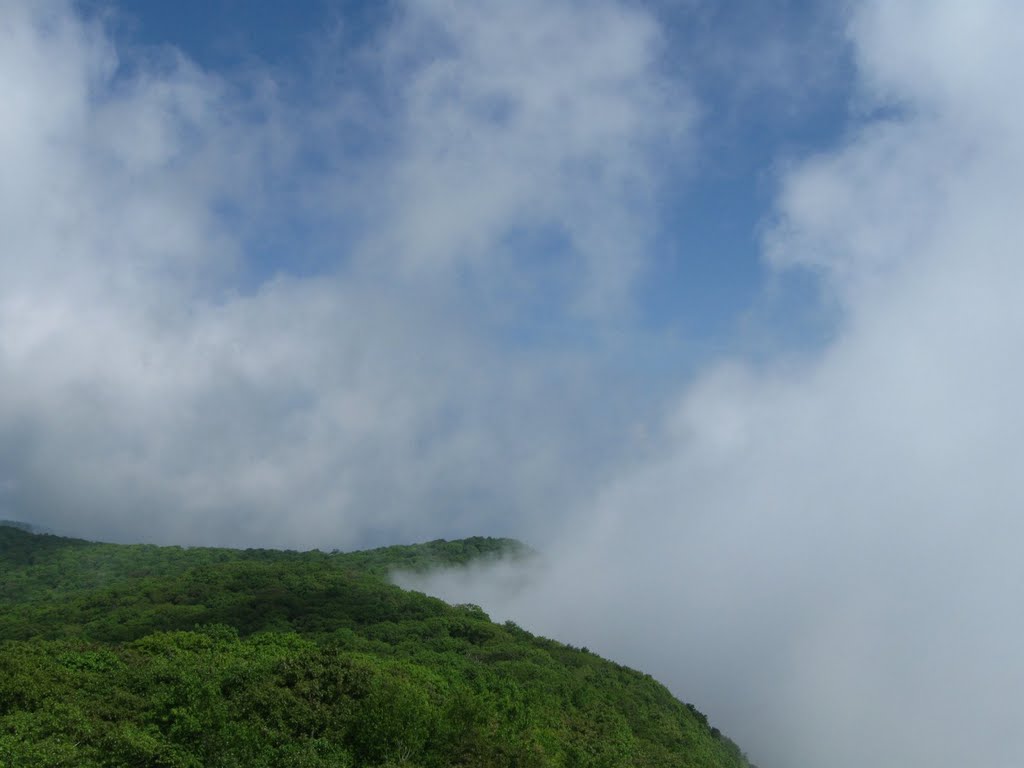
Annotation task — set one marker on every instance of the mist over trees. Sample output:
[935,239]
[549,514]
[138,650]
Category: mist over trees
[114,655]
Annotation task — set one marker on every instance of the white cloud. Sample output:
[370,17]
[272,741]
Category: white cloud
[826,555]
[531,116]
[161,382]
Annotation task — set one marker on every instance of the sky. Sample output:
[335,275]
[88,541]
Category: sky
[717,305]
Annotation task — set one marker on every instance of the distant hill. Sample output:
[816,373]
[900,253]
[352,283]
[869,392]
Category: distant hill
[114,655]
[24,526]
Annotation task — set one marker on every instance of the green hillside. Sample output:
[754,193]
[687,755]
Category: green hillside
[114,655]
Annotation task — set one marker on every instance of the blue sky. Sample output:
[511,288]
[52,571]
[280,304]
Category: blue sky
[717,303]
[703,276]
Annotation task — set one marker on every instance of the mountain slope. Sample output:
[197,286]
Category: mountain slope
[118,655]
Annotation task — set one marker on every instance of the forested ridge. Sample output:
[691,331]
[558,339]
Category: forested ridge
[138,655]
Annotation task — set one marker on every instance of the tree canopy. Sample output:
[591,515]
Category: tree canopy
[137,655]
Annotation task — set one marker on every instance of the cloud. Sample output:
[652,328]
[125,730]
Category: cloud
[824,555]
[231,312]
[530,117]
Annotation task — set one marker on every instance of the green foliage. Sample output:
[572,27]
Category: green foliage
[162,656]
